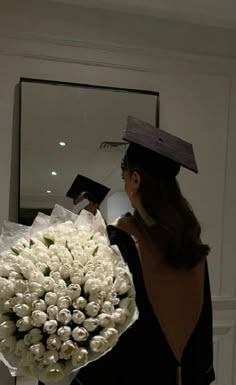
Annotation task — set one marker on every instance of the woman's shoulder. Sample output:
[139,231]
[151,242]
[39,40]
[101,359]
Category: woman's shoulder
[120,234]
[126,224]
[121,228]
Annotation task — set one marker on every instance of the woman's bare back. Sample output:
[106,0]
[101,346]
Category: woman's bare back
[176,295]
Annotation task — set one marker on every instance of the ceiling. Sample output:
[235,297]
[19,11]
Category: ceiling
[220,13]
[83,118]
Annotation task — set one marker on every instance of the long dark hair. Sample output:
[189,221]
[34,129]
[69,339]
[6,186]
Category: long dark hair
[177,229]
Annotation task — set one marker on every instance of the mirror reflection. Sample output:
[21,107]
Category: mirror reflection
[68,130]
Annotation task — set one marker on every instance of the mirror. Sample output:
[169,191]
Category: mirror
[63,127]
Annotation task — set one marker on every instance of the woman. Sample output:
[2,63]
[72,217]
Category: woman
[87,196]
[171,343]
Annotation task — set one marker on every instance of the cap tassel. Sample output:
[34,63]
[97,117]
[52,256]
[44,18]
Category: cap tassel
[179,375]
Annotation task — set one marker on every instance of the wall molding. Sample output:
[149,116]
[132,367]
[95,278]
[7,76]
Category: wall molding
[114,47]
[224,303]
[56,48]
[221,328]
[224,351]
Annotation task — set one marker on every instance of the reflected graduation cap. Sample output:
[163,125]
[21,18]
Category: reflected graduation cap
[83,184]
[160,142]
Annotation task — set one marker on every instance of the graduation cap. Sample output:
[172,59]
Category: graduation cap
[156,148]
[83,184]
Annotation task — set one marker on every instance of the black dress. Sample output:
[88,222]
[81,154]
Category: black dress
[142,355]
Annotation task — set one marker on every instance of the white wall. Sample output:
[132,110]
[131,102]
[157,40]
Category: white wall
[197,101]
[117,205]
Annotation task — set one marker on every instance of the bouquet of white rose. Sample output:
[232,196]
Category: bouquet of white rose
[66,295]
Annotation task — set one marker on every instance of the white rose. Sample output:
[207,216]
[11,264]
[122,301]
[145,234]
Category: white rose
[14,275]
[98,297]
[33,337]
[52,311]
[20,286]
[53,250]
[67,349]
[36,288]
[22,310]
[55,275]
[108,283]
[7,329]
[89,277]
[54,267]
[5,270]
[50,327]
[93,285]
[78,253]
[105,320]
[64,302]
[49,284]
[39,249]
[50,298]
[100,239]
[24,324]
[7,289]
[119,316]
[30,297]
[122,284]
[78,317]
[27,269]
[74,291]
[39,305]
[18,299]
[26,254]
[79,357]
[20,349]
[8,345]
[10,303]
[61,288]
[50,357]
[36,352]
[90,324]
[64,316]
[37,277]
[14,261]
[80,334]
[64,332]
[80,303]
[7,306]
[52,373]
[111,335]
[98,344]
[54,342]
[92,309]
[55,259]
[112,297]
[66,260]
[78,269]
[77,277]
[38,318]
[43,267]
[65,254]
[25,368]
[48,235]
[107,307]
[65,270]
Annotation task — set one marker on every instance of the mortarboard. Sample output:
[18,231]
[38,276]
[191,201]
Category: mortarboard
[157,146]
[83,184]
